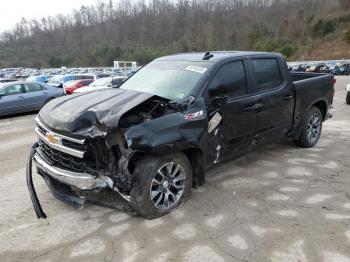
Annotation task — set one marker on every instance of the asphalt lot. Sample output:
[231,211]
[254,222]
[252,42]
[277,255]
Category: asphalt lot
[280,203]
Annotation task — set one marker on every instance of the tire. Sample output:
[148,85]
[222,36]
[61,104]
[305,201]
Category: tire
[348,97]
[311,129]
[146,176]
[48,100]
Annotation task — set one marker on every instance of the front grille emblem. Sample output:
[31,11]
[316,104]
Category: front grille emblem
[52,139]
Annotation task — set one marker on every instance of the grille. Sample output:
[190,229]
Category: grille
[65,161]
[66,142]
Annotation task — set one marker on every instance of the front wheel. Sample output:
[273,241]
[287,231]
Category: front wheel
[348,97]
[161,184]
[311,129]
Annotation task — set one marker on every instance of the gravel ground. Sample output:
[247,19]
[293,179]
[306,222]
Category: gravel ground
[280,203]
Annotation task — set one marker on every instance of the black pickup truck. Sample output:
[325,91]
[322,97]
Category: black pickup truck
[150,141]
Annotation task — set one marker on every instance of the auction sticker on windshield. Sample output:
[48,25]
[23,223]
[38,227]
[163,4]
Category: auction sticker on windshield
[197,69]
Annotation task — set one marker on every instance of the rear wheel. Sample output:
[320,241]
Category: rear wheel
[348,97]
[312,127]
[161,184]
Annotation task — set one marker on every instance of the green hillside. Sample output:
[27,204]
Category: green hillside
[142,30]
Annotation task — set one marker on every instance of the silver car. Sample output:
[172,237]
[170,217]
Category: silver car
[19,97]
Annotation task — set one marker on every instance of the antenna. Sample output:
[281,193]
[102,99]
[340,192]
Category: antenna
[207,56]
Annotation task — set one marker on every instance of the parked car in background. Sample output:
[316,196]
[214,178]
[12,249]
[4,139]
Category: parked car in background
[343,69]
[60,80]
[348,94]
[7,80]
[103,83]
[20,97]
[38,79]
[70,86]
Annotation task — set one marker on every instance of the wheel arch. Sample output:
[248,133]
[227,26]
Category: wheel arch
[195,156]
[322,105]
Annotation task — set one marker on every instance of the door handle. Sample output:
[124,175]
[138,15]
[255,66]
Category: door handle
[254,107]
[21,96]
[259,105]
[288,97]
[250,108]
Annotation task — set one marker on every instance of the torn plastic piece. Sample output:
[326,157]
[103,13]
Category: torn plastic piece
[214,122]
[36,204]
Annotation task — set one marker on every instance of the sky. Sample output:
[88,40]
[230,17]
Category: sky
[13,10]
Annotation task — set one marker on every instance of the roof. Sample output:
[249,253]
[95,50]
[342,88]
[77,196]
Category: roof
[217,55]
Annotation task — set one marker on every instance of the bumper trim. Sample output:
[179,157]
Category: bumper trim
[82,181]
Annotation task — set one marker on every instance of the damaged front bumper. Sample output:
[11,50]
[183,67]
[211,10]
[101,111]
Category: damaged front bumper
[81,181]
[67,186]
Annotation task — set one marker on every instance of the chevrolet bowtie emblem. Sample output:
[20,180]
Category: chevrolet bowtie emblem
[52,139]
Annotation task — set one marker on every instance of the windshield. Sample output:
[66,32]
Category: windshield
[170,79]
[101,82]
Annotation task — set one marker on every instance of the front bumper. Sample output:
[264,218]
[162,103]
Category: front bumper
[81,181]
[67,186]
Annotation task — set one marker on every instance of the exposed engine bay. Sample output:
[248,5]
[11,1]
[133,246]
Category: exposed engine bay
[148,110]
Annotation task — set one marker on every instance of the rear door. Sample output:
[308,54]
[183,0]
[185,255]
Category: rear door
[35,96]
[275,99]
[12,99]
[231,121]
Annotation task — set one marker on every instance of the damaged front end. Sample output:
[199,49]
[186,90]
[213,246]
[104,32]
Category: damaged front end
[94,149]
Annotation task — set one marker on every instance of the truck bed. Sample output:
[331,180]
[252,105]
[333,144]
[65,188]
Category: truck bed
[311,88]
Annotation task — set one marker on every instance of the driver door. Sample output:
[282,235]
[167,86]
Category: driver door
[229,97]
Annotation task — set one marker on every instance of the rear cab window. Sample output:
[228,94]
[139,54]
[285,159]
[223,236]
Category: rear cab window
[267,73]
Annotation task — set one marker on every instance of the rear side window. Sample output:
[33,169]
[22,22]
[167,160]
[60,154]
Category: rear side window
[33,87]
[267,73]
[230,80]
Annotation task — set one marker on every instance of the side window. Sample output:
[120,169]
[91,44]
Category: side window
[229,80]
[267,73]
[13,90]
[33,88]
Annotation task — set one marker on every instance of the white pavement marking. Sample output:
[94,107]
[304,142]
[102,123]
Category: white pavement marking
[337,216]
[203,254]
[289,189]
[214,221]
[289,213]
[334,257]
[238,242]
[317,198]
[299,171]
[185,231]
[278,197]
[88,247]
[293,253]
[117,230]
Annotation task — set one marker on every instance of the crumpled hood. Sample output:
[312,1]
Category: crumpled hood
[90,114]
